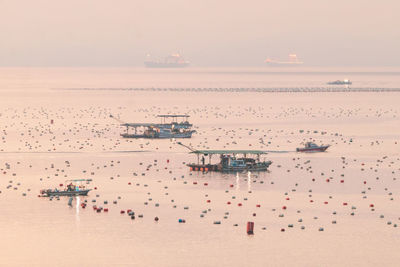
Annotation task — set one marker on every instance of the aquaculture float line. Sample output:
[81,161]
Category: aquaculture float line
[244,89]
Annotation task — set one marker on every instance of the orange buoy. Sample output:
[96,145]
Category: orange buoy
[206,169]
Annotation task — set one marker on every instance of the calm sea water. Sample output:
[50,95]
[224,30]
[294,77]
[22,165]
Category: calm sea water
[151,178]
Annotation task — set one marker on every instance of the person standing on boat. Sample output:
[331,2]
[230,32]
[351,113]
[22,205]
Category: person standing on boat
[203,160]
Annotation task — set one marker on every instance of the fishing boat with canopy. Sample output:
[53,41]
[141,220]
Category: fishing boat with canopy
[72,188]
[229,160]
[169,127]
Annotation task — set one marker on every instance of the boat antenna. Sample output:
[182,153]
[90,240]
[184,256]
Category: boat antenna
[188,147]
[120,121]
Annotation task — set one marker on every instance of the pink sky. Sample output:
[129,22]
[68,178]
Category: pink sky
[207,32]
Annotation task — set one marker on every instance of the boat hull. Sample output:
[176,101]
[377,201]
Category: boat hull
[159,136]
[219,168]
[313,149]
[66,193]
[161,65]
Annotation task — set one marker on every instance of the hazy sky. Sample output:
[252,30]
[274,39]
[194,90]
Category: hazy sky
[206,32]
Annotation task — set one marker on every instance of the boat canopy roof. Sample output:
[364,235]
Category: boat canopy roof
[141,124]
[173,116]
[79,180]
[222,152]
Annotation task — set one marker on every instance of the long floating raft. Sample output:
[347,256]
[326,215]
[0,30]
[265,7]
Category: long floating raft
[248,89]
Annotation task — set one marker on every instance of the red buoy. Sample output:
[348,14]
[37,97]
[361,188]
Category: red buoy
[284,207]
[258,206]
[122,212]
[239,204]
[250,228]
[228,202]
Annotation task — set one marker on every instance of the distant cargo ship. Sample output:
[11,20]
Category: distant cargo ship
[292,61]
[171,61]
[339,82]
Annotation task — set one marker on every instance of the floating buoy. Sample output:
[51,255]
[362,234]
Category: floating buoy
[250,228]
[156,219]
[122,211]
